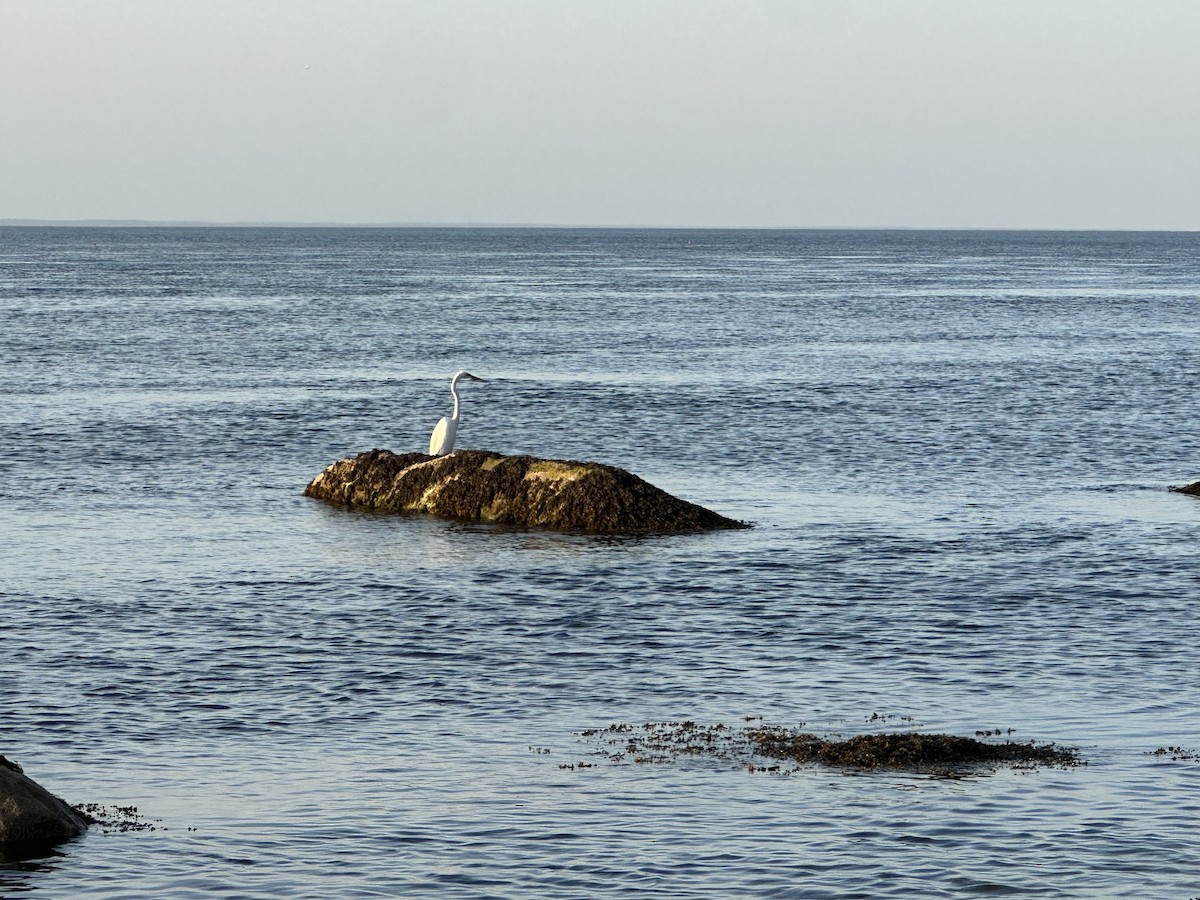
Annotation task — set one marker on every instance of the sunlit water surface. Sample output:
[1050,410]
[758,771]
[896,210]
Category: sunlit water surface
[955,448]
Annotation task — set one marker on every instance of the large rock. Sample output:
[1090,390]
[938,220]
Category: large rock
[480,486]
[1193,489]
[29,814]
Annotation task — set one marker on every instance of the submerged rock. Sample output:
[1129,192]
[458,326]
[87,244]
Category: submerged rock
[911,751]
[933,754]
[1193,489]
[29,814]
[523,491]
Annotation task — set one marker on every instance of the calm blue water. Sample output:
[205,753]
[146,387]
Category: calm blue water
[955,446]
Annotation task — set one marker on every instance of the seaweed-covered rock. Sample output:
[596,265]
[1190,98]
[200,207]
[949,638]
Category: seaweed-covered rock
[29,814]
[1193,489]
[523,491]
[911,751]
[665,742]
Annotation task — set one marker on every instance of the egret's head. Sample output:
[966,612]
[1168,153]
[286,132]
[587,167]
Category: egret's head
[466,375]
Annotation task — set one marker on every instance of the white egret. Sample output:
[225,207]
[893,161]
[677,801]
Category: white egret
[442,440]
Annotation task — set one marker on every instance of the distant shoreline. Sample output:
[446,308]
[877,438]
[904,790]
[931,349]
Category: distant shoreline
[516,226]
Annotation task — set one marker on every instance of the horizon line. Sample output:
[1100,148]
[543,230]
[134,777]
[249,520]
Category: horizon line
[208,223]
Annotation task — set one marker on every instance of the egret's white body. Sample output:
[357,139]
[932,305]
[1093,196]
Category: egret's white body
[441,441]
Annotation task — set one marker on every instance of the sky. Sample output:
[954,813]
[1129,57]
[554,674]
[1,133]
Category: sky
[696,113]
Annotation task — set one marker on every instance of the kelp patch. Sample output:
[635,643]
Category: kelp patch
[117,818]
[1175,754]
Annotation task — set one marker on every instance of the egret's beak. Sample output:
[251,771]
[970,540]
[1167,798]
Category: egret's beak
[473,377]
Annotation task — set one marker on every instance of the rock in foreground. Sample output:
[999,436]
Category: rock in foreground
[1193,489]
[29,814]
[522,491]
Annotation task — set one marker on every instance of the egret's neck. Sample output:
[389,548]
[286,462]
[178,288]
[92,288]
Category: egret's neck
[454,391]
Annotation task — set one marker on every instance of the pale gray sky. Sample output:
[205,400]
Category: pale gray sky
[915,113]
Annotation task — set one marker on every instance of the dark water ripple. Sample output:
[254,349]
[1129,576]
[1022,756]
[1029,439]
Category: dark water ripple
[955,447]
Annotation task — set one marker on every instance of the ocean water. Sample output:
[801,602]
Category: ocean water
[955,448]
